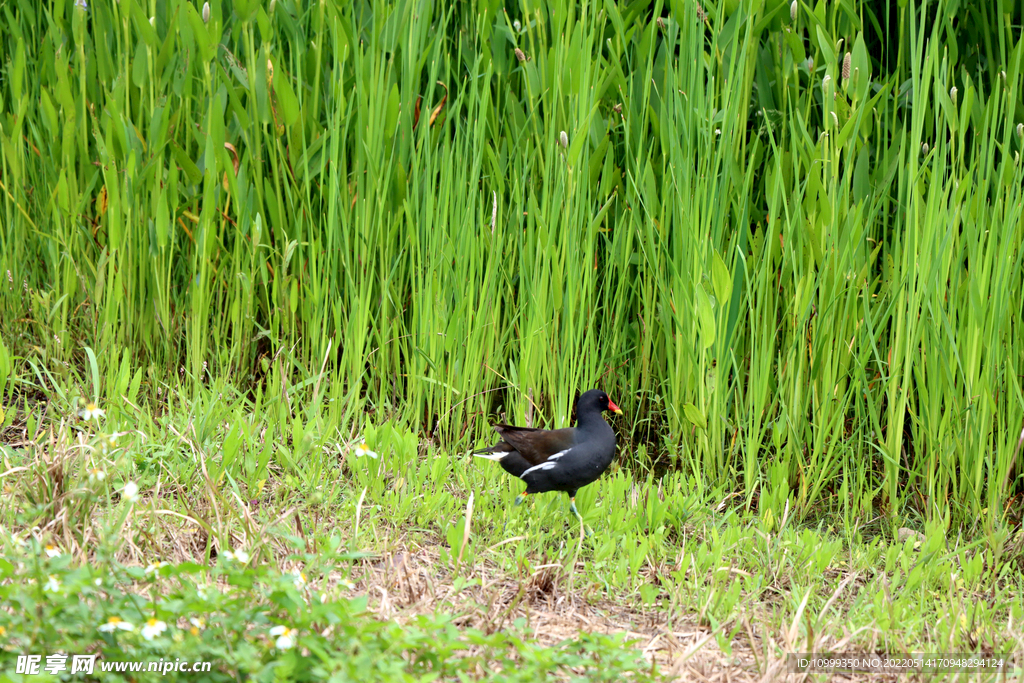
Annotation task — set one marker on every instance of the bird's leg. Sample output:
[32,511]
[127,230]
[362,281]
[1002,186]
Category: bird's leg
[573,510]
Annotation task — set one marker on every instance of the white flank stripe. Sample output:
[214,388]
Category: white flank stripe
[559,454]
[547,465]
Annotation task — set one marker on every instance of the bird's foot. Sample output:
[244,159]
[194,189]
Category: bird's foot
[520,498]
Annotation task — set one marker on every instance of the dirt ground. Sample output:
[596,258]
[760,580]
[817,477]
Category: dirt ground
[409,582]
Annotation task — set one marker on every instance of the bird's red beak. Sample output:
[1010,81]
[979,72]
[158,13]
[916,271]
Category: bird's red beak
[614,408]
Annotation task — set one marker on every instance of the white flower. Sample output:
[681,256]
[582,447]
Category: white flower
[299,579]
[116,623]
[96,474]
[52,551]
[206,13]
[517,26]
[131,492]
[108,443]
[81,4]
[90,411]
[323,598]
[239,556]
[53,585]
[155,567]
[362,449]
[198,624]
[345,583]
[285,637]
[98,582]
[563,139]
[153,628]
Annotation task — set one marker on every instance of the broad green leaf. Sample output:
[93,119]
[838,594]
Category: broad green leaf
[49,112]
[289,105]
[861,69]
[186,164]
[694,415]
[246,9]
[825,44]
[705,318]
[142,25]
[207,49]
[721,279]
[796,45]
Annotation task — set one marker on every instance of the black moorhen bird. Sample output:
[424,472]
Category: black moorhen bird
[559,459]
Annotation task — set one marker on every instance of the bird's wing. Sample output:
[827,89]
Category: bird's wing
[537,445]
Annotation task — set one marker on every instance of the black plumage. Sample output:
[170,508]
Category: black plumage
[559,459]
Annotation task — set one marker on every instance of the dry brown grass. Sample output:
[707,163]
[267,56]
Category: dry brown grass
[409,580]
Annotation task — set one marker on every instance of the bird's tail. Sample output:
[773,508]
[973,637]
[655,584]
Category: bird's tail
[490,456]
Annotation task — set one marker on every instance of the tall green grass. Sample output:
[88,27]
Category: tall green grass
[799,283]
